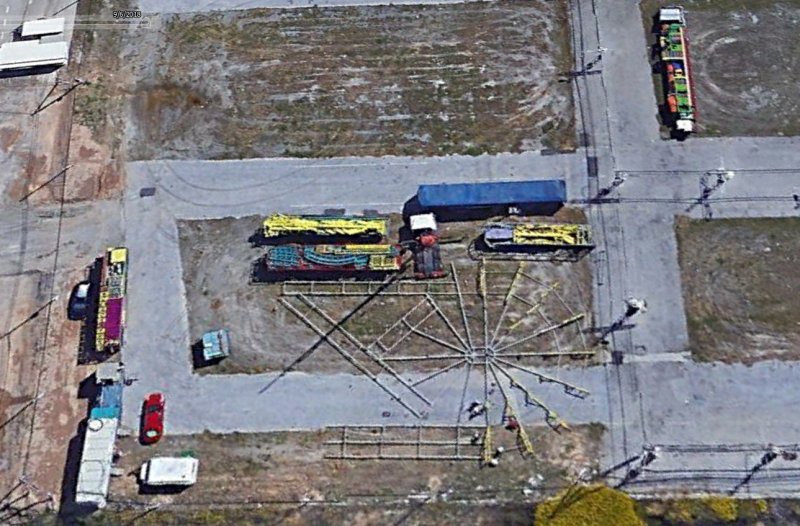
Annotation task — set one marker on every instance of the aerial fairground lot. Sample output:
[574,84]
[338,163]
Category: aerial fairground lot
[740,285]
[318,82]
[745,64]
[276,326]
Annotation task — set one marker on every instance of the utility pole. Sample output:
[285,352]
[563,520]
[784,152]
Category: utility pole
[597,59]
[72,85]
[633,306]
[60,172]
[648,455]
[710,182]
[770,456]
[619,178]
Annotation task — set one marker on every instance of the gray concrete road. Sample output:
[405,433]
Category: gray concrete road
[656,396]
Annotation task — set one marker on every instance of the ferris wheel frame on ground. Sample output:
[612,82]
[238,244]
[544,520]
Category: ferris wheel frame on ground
[509,338]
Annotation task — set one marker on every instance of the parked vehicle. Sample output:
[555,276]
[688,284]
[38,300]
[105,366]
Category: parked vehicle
[169,471]
[152,418]
[78,305]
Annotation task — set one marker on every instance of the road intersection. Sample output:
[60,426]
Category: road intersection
[655,396]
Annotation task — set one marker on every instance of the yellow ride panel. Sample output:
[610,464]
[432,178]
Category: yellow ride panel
[551,234]
[118,255]
[357,250]
[280,224]
[382,262]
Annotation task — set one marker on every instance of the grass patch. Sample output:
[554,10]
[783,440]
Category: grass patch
[91,105]
[380,80]
[740,287]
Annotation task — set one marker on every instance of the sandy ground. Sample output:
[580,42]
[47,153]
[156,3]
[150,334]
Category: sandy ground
[403,80]
[267,336]
[39,433]
[416,514]
[291,466]
[745,68]
[741,287]
[36,432]
[20,338]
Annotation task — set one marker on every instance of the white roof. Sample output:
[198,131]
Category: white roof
[423,222]
[671,14]
[684,125]
[95,467]
[171,470]
[32,53]
[44,26]
[109,372]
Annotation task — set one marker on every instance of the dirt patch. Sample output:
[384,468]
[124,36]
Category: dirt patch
[9,137]
[378,80]
[740,286]
[413,514]
[20,334]
[77,122]
[268,335]
[37,438]
[745,64]
[290,466]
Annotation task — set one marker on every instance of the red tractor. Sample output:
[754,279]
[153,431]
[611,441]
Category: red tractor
[427,255]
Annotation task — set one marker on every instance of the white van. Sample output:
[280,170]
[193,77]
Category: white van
[169,471]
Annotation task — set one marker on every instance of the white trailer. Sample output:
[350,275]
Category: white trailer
[96,459]
[42,27]
[27,54]
[169,471]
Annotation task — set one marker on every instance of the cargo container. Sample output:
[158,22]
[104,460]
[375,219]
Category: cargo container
[542,196]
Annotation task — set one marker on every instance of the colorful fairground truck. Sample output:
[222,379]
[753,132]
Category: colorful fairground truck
[111,300]
[340,260]
[673,45]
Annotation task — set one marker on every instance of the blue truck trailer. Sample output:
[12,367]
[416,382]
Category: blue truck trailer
[530,197]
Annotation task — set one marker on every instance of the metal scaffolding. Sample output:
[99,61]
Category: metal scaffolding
[413,442]
[453,325]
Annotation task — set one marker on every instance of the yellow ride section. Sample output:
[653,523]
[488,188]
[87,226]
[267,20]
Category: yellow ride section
[357,249]
[280,224]
[551,234]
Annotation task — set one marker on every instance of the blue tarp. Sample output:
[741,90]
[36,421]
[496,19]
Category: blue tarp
[110,396]
[493,194]
[104,412]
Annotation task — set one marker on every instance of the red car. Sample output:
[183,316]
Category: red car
[152,418]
